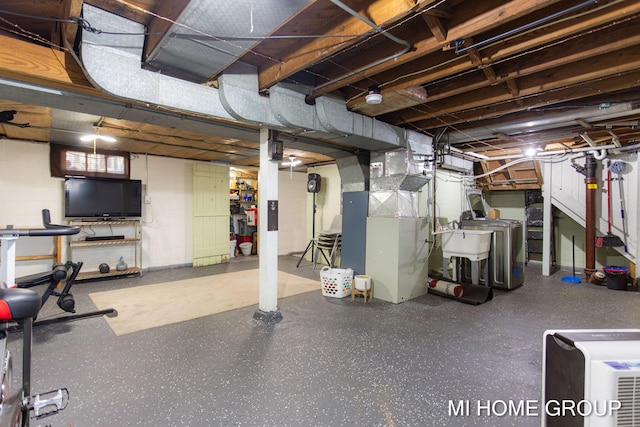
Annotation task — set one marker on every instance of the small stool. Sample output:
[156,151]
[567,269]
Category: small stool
[362,285]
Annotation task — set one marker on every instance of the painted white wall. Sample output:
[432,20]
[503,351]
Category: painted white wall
[328,203]
[449,204]
[569,192]
[27,187]
[166,221]
[328,200]
[449,196]
[292,212]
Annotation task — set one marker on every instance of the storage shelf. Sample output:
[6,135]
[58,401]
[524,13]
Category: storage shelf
[106,222]
[84,249]
[87,243]
[112,273]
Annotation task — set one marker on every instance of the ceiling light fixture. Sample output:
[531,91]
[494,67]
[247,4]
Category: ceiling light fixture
[531,151]
[373,97]
[291,163]
[94,138]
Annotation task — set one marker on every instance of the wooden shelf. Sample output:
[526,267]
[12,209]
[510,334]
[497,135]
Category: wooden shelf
[127,227]
[86,243]
[112,273]
[106,222]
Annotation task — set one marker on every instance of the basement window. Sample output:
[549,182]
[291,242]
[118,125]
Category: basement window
[78,161]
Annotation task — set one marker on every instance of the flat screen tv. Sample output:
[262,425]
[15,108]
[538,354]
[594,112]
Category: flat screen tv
[102,198]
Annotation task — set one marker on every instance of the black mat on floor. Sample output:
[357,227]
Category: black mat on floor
[473,294]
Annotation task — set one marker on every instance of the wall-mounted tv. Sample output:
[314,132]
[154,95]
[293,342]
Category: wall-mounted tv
[102,198]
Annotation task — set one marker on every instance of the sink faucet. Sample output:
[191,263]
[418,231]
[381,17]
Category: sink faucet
[455,224]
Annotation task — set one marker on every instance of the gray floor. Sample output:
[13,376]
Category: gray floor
[330,362]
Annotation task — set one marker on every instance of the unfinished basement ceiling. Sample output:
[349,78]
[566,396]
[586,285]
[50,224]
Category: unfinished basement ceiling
[493,77]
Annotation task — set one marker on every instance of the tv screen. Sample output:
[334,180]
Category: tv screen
[102,198]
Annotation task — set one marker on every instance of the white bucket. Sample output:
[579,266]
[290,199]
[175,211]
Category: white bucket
[246,248]
[363,282]
[232,248]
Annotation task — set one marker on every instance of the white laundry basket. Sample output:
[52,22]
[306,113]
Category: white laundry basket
[336,282]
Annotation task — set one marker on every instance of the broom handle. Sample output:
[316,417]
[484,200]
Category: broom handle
[622,209]
[573,254]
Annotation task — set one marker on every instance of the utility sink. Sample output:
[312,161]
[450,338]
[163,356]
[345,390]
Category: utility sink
[471,244]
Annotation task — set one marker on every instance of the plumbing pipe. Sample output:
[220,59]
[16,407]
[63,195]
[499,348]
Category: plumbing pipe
[527,26]
[634,147]
[554,152]
[590,216]
[379,30]
[599,156]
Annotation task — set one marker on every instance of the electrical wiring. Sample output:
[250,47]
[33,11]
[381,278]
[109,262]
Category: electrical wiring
[86,25]
[436,115]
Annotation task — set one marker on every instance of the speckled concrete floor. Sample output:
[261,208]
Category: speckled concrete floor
[330,362]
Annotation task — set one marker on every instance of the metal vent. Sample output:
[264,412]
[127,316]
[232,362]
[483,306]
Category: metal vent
[629,396]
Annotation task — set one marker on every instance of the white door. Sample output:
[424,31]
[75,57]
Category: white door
[210,214]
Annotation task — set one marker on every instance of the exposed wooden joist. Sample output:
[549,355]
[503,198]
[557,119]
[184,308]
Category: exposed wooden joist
[436,27]
[507,105]
[476,23]
[599,67]
[31,63]
[170,10]
[382,12]
[570,51]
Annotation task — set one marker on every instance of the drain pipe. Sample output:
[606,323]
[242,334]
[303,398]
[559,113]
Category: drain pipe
[379,30]
[590,216]
[436,140]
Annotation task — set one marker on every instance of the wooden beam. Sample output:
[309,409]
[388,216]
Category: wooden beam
[170,10]
[436,27]
[477,23]
[597,68]
[303,55]
[39,65]
[507,105]
[71,8]
[571,50]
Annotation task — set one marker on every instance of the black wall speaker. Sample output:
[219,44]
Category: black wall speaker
[313,184]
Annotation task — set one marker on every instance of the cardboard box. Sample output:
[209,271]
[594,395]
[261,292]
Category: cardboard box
[494,213]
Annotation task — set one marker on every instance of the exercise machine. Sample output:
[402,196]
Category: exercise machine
[52,280]
[21,305]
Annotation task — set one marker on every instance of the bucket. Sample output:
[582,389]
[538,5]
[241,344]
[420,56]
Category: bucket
[616,277]
[232,248]
[246,248]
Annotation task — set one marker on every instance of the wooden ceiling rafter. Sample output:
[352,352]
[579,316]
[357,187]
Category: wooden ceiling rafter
[316,50]
[543,68]
[491,102]
[475,21]
[501,52]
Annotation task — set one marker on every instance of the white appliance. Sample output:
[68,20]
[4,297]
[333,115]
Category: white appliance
[591,378]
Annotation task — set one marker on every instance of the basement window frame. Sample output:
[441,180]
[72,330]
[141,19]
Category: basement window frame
[111,163]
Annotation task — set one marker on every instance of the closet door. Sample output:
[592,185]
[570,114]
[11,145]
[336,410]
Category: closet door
[210,214]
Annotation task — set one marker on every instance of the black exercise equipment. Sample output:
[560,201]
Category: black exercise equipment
[66,302]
